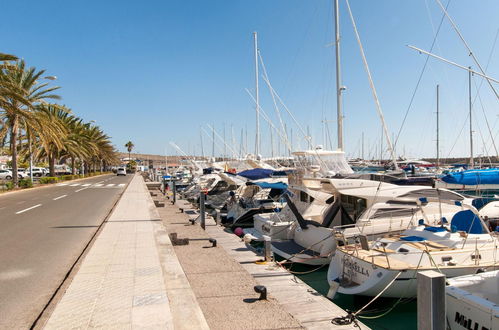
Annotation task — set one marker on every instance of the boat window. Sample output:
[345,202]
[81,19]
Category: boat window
[330,200]
[353,205]
[393,212]
[306,198]
[393,201]
[448,195]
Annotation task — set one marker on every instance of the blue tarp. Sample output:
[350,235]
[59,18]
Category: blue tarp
[266,185]
[435,229]
[413,238]
[467,221]
[473,177]
[256,173]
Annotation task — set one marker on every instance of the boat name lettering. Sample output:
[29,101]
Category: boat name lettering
[466,322]
[356,268]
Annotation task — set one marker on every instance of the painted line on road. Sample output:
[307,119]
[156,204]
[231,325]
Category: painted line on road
[62,184]
[81,189]
[59,197]
[86,184]
[99,185]
[101,181]
[110,185]
[29,208]
[121,185]
[74,185]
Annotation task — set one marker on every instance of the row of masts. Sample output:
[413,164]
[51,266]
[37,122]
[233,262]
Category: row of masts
[340,89]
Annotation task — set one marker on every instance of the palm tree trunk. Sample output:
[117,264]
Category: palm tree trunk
[73,168]
[13,146]
[52,164]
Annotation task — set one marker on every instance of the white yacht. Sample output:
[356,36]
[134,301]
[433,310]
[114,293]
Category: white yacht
[389,265]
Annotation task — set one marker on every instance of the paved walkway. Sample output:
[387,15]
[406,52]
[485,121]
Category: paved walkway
[131,277]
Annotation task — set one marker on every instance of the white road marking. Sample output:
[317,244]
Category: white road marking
[62,184]
[101,181]
[29,208]
[99,185]
[81,189]
[110,185]
[59,197]
[86,184]
[121,185]
[74,185]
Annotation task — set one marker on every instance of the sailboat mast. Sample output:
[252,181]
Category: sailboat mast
[438,126]
[257,98]
[362,145]
[472,165]
[338,74]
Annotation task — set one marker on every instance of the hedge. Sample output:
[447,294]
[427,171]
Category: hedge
[48,179]
[25,183]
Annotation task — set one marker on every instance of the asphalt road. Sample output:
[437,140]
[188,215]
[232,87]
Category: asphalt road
[42,233]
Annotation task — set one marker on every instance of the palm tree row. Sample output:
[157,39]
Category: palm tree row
[34,127]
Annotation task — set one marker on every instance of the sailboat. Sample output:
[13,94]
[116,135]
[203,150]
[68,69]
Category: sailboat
[388,266]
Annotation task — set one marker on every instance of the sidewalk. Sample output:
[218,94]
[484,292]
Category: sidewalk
[122,283]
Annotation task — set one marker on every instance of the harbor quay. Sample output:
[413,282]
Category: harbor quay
[133,277]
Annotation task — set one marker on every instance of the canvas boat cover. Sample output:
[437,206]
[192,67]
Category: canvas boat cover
[473,177]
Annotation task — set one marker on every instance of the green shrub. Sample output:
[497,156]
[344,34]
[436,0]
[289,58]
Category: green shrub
[25,183]
[69,177]
[9,186]
[48,179]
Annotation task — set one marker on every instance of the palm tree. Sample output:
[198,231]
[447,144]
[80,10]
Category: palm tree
[21,93]
[129,146]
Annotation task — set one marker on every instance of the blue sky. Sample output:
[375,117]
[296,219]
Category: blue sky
[157,71]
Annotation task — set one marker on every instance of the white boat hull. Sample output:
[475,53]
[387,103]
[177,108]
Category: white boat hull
[472,302]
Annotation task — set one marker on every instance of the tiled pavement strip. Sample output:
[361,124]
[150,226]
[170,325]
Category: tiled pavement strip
[122,283]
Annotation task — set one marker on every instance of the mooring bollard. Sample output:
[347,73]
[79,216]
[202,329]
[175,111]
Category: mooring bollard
[267,247]
[217,218]
[431,300]
[174,189]
[201,209]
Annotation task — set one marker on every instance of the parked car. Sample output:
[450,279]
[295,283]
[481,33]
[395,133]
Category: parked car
[38,171]
[5,175]
[121,171]
[21,173]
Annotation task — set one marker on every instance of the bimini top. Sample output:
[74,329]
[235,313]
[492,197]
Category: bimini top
[329,162]
[473,177]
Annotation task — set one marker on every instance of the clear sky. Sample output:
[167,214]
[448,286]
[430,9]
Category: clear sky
[156,71]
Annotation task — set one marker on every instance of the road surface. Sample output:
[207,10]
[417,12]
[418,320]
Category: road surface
[42,233]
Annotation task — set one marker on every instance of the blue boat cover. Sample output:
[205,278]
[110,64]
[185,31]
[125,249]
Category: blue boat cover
[257,173]
[473,177]
[467,221]
[478,203]
[266,185]
[435,229]
[413,238]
